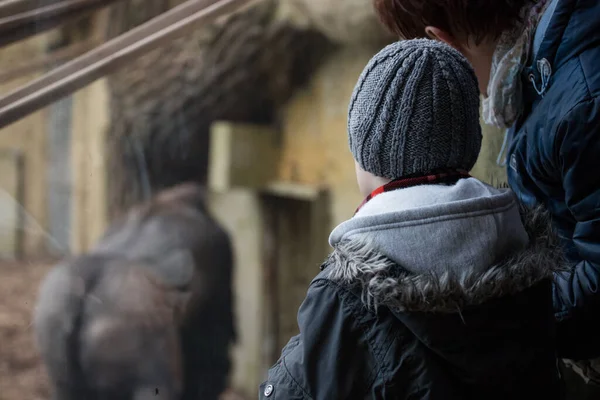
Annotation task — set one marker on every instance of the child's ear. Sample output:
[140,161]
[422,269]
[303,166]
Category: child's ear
[432,32]
[443,36]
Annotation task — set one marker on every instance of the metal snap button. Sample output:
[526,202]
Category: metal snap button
[269,390]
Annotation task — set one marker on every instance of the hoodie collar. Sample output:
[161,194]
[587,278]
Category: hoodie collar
[449,176]
[439,228]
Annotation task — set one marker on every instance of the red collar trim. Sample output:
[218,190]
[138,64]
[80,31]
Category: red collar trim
[447,177]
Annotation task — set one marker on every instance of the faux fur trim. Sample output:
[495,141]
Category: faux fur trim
[382,282]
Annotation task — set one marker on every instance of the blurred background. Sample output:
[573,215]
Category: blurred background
[252,104]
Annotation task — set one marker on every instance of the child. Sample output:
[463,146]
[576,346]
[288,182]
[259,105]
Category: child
[435,288]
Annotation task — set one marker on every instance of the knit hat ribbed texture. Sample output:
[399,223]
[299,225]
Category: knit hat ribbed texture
[415,109]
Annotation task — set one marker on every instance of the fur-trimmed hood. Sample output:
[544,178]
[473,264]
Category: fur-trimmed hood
[356,262]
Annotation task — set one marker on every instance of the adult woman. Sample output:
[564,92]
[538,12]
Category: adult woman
[537,66]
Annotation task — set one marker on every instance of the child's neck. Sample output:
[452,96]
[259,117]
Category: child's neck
[373,183]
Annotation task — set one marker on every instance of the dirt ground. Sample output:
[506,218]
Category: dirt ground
[22,376]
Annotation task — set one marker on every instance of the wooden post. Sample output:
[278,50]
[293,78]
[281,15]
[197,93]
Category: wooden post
[89,199]
[90,122]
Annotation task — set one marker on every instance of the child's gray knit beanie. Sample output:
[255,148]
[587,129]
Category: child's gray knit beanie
[415,109]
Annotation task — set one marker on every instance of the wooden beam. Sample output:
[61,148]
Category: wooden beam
[112,55]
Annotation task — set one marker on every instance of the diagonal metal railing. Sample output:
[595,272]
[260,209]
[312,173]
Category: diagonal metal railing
[20,19]
[112,55]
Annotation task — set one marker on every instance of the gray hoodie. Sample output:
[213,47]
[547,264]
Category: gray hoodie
[455,229]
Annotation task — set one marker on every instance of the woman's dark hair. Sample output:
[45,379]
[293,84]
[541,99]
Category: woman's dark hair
[478,19]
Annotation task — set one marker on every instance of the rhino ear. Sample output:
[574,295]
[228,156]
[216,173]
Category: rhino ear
[178,268]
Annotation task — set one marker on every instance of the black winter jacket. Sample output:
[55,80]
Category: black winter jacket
[369,330]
